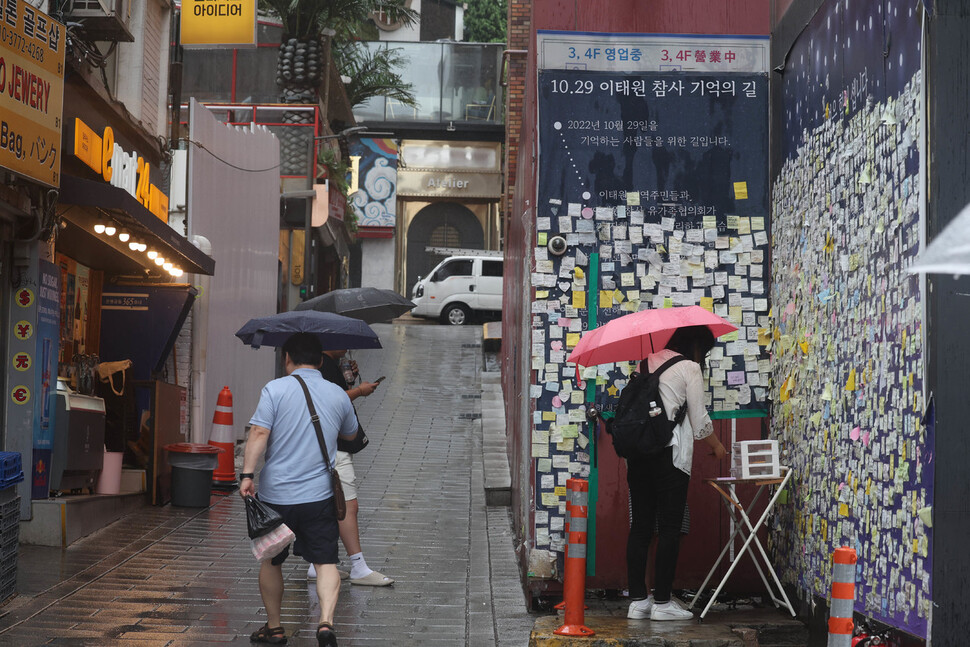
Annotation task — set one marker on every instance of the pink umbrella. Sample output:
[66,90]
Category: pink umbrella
[634,336]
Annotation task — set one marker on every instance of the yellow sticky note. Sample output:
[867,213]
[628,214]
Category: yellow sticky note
[542,294]
[578,273]
[633,198]
[579,299]
[734,314]
[843,510]
[543,238]
[707,303]
[804,346]
[732,222]
[618,296]
[729,336]
[758,223]
[668,302]
[850,383]
[606,298]
[710,222]
[740,190]
[549,499]
[560,490]
[572,338]
[548,416]
[744,225]
[764,339]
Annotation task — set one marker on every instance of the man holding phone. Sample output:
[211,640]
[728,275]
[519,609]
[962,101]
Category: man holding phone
[360,573]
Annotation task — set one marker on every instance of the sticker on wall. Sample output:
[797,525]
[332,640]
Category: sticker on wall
[22,361]
[23,330]
[20,394]
[24,297]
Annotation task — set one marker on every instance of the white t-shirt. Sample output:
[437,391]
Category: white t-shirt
[683,382]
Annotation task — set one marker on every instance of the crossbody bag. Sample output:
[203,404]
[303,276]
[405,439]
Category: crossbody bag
[338,489]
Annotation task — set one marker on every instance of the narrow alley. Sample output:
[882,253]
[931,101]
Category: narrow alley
[177,576]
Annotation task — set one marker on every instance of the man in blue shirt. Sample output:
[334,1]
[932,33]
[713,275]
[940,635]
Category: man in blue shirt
[294,480]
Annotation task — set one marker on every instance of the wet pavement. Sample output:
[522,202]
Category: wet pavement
[181,576]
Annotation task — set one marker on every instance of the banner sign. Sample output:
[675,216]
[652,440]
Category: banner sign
[218,23]
[31,92]
[45,375]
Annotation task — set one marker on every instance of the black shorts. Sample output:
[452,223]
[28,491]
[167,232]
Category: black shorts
[315,527]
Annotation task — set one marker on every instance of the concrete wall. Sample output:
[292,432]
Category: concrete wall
[238,212]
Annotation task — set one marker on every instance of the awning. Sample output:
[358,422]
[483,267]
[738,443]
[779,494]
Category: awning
[89,193]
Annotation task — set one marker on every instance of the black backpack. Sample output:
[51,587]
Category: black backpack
[640,426]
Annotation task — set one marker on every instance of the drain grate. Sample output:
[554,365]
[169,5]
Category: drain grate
[471,345]
[473,396]
[469,416]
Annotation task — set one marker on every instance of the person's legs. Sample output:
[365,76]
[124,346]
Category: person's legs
[643,507]
[349,531]
[671,487]
[360,573]
[271,590]
[328,589]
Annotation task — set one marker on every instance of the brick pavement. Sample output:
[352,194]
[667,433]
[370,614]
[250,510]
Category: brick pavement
[171,576]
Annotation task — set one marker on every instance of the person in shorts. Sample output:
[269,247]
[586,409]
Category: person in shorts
[294,480]
[360,574]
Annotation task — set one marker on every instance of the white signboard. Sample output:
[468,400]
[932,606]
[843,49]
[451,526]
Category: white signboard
[574,50]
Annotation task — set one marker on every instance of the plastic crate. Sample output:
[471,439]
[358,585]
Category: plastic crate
[8,584]
[10,514]
[10,466]
[754,459]
[8,537]
[8,560]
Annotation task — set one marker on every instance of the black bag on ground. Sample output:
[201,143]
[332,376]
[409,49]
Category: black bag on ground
[640,426]
[260,518]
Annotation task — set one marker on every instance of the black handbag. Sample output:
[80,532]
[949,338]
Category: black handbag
[260,518]
[355,445]
[339,502]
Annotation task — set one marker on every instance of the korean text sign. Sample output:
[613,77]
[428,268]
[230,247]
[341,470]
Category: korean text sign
[215,23]
[31,91]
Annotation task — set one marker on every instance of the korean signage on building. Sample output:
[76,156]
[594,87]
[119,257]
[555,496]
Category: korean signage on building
[216,23]
[128,171]
[31,92]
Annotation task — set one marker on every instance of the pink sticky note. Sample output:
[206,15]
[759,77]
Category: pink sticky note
[735,378]
[587,213]
[556,401]
[865,438]
[556,345]
[854,434]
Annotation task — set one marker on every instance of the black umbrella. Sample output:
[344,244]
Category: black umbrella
[335,332]
[370,305]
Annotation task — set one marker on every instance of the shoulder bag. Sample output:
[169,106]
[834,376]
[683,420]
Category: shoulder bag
[338,490]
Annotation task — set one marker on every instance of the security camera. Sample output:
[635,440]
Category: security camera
[557,245]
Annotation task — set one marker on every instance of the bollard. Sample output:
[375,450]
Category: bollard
[843,597]
[574,580]
[224,436]
[562,605]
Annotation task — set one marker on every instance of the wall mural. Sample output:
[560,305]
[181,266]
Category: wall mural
[848,330]
[376,196]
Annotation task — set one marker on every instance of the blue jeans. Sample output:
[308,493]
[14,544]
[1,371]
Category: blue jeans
[658,495]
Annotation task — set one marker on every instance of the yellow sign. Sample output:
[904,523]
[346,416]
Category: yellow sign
[31,92]
[218,22]
[128,171]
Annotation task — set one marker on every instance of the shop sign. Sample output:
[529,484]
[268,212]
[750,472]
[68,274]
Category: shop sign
[127,171]
[215,23]
[22,361]
[23,330]
[20,394]
[31,92]
[438,183]
[25,297]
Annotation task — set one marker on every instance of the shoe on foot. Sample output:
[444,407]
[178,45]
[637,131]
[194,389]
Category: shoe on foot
[640,609]
[270,635]
[669,611]
[325,635]
[311,573]
[374,579]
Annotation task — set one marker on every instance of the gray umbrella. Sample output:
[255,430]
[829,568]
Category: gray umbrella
[370,305]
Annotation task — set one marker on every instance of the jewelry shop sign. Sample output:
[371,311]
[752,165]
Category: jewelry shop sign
[31,92]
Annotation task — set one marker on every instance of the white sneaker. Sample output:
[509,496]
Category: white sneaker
[640,609]
[311,573]
[670,611]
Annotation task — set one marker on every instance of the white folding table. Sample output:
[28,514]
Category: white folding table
[739,516]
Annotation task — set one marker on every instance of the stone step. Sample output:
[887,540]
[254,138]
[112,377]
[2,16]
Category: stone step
[64,520]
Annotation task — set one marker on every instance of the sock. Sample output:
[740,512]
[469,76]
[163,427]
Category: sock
[358,567]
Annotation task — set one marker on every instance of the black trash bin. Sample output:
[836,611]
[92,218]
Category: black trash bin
[192,467]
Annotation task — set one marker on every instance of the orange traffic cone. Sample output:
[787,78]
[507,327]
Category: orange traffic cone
[224,436]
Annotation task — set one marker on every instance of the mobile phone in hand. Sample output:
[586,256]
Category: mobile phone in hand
[380,379]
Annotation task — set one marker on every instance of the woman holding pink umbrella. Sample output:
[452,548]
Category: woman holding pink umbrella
[658,483]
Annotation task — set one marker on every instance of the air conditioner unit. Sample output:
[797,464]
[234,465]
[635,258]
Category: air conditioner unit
[105,20]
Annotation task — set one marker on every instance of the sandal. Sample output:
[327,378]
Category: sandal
[265,634]
[325,635]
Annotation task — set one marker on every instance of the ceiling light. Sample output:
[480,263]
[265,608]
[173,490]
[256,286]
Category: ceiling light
[132,244]
[152,254]
[167,267]
[142,247]
[123,235]
[99,226]
[178,271]
[159,260]
[110,229]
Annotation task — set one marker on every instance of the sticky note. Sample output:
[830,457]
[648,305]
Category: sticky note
[740,190]
[850,382]
[633,198]
[707,303]
[560,490]
[543,238]
[572,338]
[579,299]
[606,298]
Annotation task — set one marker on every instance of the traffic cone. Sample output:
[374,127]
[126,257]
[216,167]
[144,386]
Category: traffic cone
[224,436]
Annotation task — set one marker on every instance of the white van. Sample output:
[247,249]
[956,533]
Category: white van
[458,287]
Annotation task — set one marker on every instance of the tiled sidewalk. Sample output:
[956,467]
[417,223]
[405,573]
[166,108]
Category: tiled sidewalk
[171,576]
